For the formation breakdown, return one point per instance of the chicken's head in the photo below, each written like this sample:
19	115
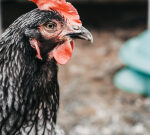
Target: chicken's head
54	35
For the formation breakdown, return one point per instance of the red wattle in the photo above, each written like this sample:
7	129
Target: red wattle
63	53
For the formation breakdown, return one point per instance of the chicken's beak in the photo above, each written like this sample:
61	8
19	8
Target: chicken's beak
81	33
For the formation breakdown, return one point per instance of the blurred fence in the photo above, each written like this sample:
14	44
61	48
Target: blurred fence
103	14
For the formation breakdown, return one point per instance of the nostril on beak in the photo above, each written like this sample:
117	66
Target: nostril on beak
76	27
81	33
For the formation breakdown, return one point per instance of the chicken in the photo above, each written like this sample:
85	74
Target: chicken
30	49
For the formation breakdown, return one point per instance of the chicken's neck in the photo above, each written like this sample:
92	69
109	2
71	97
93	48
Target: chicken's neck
45	97
31	91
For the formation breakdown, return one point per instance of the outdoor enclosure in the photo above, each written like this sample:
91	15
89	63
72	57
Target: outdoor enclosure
90	104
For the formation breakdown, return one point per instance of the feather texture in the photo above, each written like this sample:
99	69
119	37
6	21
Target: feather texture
29	93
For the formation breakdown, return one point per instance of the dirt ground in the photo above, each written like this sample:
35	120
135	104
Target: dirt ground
90	104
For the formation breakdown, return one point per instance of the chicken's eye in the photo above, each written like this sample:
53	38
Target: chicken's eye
51	26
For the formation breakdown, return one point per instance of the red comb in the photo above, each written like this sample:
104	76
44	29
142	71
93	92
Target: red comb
63	7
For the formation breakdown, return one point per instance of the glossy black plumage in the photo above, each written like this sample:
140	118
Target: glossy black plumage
29	93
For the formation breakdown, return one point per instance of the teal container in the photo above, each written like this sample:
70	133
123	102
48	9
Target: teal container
135	54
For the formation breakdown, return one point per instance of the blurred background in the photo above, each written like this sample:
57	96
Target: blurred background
90	104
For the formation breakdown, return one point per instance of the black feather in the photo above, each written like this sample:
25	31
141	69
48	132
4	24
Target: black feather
29	92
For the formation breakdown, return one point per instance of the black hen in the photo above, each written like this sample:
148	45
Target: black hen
29	92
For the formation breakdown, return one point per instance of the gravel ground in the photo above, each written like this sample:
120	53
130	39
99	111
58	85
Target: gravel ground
90	104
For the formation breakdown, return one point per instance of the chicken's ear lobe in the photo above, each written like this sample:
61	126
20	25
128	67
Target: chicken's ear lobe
35	44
